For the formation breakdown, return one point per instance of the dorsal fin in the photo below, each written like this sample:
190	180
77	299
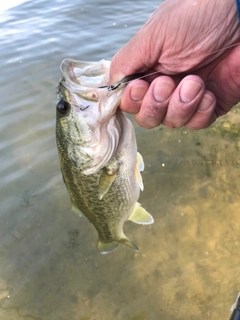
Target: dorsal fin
139	167
140	162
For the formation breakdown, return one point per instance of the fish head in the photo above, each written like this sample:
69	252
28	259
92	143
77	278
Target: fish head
86	114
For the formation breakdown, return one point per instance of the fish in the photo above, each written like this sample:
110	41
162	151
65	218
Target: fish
97	149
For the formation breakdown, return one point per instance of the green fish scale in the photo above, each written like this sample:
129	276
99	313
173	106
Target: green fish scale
107	214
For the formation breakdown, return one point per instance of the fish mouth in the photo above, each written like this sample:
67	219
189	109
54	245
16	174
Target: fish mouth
85	74
86	80
79	85
67	71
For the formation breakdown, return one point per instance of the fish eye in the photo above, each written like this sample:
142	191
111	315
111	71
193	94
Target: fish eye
63	107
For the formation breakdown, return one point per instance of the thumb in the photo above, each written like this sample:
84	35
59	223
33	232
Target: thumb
134	57
126	61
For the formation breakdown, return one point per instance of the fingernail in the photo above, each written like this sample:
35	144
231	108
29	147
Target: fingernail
206	103
189	90
162	92
137	92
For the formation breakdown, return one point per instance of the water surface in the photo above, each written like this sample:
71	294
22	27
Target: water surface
49	267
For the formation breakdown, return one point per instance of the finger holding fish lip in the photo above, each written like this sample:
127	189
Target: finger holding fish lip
171	102
190	105
205	114
133	95
155	102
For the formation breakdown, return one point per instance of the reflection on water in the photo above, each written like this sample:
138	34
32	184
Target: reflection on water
49	266
9	4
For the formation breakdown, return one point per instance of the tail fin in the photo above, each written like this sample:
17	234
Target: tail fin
107	247
129	244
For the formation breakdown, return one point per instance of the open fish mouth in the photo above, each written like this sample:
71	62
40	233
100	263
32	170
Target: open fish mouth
85	74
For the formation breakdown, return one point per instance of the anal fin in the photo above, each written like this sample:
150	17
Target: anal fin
140	215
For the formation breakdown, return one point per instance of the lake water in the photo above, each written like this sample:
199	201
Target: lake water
188	263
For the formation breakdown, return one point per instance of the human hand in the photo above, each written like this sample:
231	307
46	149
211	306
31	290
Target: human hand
195	47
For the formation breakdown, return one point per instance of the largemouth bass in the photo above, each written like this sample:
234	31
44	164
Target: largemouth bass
98	152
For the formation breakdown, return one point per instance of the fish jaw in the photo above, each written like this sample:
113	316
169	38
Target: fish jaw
85	74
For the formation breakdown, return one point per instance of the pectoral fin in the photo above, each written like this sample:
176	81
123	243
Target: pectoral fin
105	183
140	215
